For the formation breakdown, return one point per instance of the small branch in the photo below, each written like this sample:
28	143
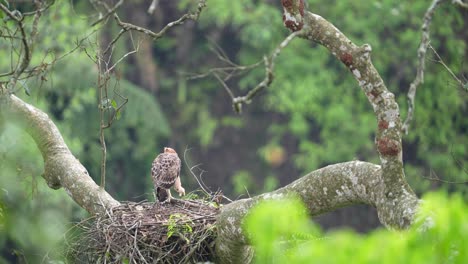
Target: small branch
121	58
460	3
155	36
10	14
419	79
153	6
107	106
25	56
228	71
238	101
224	85
266	82
436	178
109	12
205	190
103	105
454	76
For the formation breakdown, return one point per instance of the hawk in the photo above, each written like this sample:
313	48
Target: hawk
165	172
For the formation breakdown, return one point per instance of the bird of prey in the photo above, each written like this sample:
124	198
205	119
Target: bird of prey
165	172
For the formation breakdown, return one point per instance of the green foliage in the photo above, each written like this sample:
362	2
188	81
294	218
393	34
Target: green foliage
438	236
174	228
270	183
242	181
271	228
33	218
206	127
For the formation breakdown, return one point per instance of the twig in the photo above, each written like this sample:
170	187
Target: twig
459	163
460	3
454	76
27	45
206	190
200	182
425	40
155	36
269	67
153	6
436	178
109	12
121	58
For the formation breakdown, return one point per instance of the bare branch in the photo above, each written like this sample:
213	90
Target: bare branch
228	71
425	40
153	6
235	69
15	15
27	45
122	58
110	11
265	83
224	85
460	83
155	36
435	177
460	3
205	190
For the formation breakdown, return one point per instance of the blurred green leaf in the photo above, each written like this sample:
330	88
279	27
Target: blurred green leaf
438	236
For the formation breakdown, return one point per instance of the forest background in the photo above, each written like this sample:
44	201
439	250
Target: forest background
295	126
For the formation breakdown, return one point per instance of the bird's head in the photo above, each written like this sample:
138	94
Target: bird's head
169	150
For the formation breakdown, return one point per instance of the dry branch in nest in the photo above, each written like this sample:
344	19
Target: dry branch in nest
182	231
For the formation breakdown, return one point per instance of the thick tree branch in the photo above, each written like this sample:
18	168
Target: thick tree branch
61	168
358	61
383	187
323	190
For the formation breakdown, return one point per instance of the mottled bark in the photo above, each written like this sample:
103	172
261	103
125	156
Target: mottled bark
61	168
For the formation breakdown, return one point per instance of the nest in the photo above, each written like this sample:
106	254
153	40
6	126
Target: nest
182	231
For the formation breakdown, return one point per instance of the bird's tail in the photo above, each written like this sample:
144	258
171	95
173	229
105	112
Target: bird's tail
161	194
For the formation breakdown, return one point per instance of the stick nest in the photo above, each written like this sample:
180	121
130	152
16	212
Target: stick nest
182	231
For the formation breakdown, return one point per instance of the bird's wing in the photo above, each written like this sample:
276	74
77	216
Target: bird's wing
165	170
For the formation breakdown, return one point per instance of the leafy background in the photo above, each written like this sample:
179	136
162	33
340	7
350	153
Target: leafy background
313	115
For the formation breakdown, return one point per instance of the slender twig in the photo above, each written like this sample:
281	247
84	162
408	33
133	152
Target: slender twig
266	82
454	76
102	85
121	58
25	55
153	6
459	163
205	189
155	36
460	3
419	79
435	177
11	14
231	71
109	12
225	86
